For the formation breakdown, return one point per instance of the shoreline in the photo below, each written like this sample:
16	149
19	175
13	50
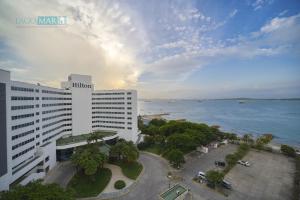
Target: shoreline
274	144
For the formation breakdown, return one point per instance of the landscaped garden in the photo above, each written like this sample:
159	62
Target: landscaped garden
172	139
125	155
84	137
92	177
130	169
87	186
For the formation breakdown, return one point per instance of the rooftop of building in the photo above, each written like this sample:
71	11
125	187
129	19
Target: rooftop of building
82	138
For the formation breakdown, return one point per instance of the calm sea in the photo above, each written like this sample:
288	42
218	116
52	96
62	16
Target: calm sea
279	117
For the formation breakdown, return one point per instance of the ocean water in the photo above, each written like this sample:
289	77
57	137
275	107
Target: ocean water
279	117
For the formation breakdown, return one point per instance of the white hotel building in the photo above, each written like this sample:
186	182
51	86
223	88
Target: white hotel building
34	117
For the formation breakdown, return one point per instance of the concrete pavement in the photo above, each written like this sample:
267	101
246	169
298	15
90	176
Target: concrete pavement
61	174
116	175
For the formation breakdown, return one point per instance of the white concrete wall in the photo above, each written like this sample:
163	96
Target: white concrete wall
67	111
5	179
81	87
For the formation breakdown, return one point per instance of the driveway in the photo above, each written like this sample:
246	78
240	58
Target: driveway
61	174
152	182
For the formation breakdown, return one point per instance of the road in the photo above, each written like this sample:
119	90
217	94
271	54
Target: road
152	182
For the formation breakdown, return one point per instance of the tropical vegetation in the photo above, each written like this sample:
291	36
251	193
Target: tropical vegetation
85	186
214	177
288	150
37	191
166	137
125	155
232	159
89	159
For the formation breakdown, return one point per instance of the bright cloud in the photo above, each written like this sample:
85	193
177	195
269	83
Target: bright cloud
130	45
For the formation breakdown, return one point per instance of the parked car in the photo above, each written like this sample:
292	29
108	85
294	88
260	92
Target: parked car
220	163
245	163
201	175
226	184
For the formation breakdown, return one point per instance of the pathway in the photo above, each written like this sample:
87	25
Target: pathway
61	174
116	175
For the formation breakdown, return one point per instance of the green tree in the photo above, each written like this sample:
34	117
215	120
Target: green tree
231	159
37	191
89	159
94	137
214	177
176	157
125	151
157	122
288	150
182	142
151	130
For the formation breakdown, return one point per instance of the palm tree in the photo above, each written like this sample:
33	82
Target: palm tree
94	137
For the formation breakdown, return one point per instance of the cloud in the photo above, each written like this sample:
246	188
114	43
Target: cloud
89	44
280	23
120	44
233	13
274	38
258	4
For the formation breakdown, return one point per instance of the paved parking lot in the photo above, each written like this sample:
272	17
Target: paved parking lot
203	162
196	161
269	177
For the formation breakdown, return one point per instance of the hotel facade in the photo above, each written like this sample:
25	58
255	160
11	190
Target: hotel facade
41	125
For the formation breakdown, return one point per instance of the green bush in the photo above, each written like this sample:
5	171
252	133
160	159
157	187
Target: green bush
232	159
119	184
36	191
214	177
288	150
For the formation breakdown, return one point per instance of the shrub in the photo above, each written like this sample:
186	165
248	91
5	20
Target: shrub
214	177
175	157
142	145
288	150
119	184
232	159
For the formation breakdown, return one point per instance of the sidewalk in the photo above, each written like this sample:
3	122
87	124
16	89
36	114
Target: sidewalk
61	174
116	175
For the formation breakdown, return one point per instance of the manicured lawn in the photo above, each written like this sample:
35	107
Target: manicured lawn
130	169
85	186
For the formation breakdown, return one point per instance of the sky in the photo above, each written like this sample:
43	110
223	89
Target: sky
165	49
